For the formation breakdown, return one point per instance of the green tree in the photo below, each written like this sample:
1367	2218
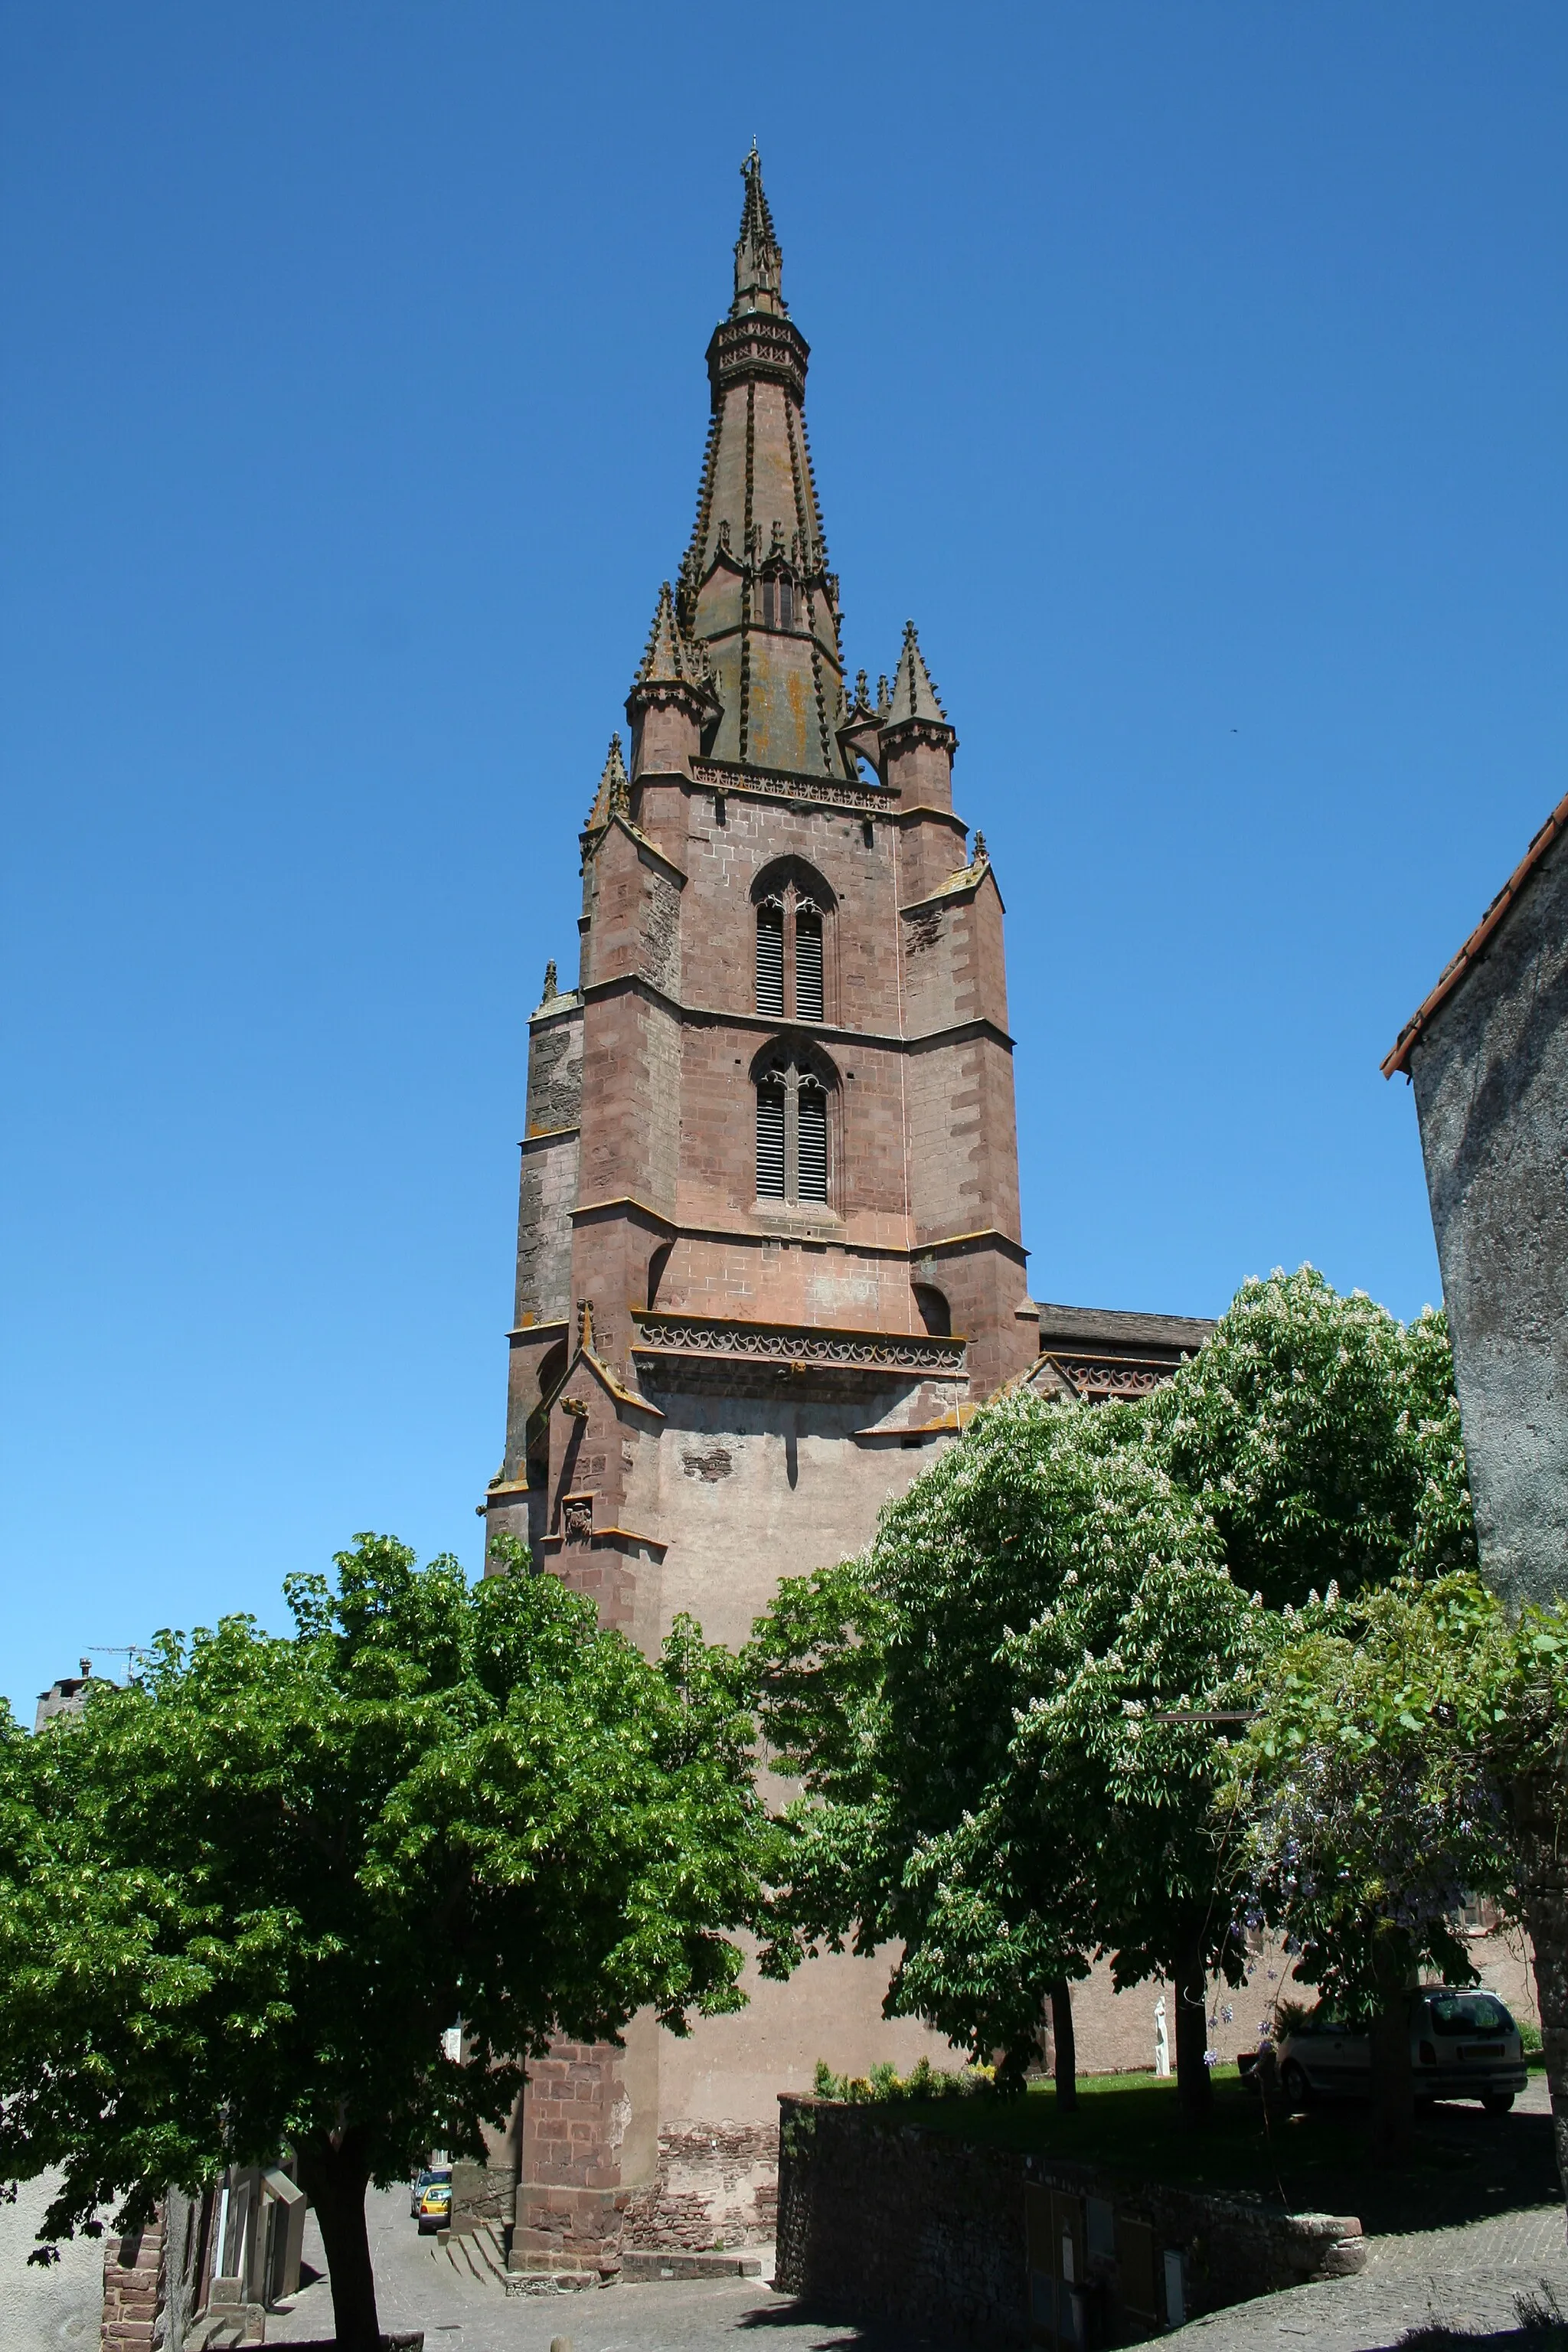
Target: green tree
981	1707
1410	1750
240	1899
970	1706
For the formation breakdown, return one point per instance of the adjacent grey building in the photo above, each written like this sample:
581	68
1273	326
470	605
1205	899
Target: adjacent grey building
1487	1055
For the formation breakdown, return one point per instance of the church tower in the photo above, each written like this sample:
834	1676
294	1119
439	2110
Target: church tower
769	1249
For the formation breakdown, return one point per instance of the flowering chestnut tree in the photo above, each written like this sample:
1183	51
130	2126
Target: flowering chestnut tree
1009	1715
1000	1717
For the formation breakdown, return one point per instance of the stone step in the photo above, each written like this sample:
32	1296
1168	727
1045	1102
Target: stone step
554	2282
639	2264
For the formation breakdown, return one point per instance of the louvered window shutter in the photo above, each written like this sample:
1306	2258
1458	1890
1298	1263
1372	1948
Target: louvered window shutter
813	1105
807	964
769	960
770	1143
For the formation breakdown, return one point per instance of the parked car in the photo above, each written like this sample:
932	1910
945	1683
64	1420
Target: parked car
432	2200
1463	2045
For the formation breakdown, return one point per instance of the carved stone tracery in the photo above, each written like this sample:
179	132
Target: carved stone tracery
761	1342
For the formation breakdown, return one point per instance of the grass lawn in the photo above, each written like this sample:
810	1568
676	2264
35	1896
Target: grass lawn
1464	2163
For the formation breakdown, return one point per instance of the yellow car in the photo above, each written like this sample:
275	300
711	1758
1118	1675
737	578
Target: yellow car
435	2203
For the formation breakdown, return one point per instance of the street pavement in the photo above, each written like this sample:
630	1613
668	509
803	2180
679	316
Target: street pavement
55	2310
1466	2278
417	2286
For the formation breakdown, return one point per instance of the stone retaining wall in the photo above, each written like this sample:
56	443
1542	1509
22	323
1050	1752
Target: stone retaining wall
881	2218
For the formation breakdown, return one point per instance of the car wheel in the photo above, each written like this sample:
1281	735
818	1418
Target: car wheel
1294	2084
1497	2103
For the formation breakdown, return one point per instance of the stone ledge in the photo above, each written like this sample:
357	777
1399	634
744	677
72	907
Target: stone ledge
646	2263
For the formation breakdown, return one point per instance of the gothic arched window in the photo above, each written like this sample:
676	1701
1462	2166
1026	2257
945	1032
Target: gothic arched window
793	904
793	1153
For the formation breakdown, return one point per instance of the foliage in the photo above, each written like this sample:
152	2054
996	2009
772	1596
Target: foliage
972	1708
240	1899
1369	1809
1323	1438
885	2086
1374	1786
981	1706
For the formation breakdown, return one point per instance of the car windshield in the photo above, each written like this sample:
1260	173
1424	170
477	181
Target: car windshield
1467	2012
434	2179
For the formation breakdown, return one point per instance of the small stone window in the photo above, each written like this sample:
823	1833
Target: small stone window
778	601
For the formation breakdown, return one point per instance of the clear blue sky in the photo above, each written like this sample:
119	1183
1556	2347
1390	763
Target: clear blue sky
1195	375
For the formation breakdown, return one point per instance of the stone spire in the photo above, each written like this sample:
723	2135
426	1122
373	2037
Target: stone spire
670	658
755	590
758	261
672	704
913	695
614	793
914	739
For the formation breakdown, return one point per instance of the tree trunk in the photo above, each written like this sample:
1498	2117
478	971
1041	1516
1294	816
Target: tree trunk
1064	2045
1393	2084
1195	2085
335	2180
1537	1811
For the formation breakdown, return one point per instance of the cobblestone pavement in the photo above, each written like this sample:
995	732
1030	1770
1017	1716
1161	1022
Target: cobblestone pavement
1466	2278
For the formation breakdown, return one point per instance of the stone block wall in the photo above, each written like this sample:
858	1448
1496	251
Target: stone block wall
717	2186
133	2288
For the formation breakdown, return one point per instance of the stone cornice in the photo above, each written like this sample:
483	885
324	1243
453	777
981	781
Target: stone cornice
989	1234
777	784
624	1200
935	731
713	1016
788	1344
557	1008
546	1135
